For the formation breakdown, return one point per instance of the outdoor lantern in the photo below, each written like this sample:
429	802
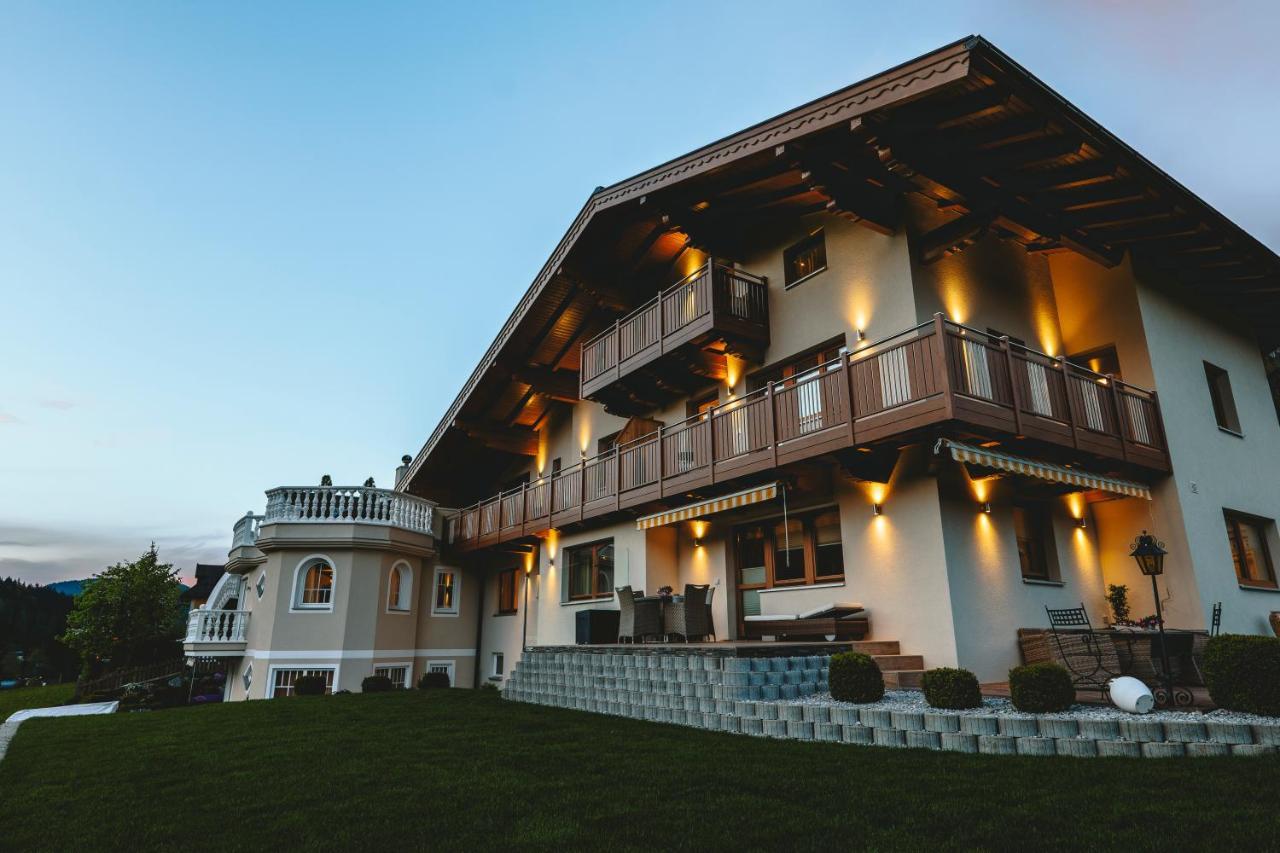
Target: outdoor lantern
1149	554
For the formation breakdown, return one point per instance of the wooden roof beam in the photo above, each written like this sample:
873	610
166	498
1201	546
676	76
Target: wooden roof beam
954	236
521	441
559	385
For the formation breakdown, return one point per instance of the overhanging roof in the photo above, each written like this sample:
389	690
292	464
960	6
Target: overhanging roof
964	126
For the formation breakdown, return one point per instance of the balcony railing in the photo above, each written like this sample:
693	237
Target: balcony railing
217	626
347	505
714	298
245	532
936	372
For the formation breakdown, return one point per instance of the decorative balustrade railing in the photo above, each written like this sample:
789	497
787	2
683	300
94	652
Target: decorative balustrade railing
936	371
347	505
245	531
217	626
713	287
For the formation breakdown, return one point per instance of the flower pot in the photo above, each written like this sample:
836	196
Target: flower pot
1130	694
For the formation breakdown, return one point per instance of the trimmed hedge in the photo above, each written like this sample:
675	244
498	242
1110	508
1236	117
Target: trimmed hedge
1243	673
855	677
433	680
950	688
309	685
376	684
1041	687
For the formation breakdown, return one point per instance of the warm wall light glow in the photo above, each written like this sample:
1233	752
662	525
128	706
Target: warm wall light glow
690	261
584	428
955	295
699	529
552	543
542	451
981	487
732	371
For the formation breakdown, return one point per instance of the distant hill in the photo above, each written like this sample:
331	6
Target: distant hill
71	588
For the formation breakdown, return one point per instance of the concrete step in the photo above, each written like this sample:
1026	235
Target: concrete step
903	679
876	647
888	663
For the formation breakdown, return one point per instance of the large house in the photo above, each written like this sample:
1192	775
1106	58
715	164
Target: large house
937	344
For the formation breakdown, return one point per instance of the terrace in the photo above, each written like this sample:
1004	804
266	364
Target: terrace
936	375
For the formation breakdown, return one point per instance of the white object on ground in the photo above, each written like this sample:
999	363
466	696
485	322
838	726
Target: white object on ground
10	726
1130	694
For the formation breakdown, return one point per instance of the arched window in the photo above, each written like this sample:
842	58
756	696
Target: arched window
314	589
400	587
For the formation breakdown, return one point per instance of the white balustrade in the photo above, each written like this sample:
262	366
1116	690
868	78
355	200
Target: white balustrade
217	626
348	505
245	532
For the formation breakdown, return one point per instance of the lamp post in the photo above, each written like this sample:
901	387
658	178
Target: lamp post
1149	554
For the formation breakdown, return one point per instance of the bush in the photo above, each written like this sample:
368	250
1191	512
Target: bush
955	689
309	685
376	684
1041	687
433	680
1243	673
855	678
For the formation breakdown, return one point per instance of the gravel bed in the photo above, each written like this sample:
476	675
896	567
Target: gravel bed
913	700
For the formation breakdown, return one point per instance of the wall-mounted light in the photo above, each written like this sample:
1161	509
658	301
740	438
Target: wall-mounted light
877	509
697	543
1081	523
862	335
985	507
551	562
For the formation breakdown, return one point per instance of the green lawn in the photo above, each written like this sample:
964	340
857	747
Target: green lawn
33	697
463	770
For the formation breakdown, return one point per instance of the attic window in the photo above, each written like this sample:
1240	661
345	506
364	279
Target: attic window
806	258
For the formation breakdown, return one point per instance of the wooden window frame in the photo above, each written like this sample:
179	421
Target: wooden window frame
1233	521
815	238
1223	399
809	546
595	548
1040	519
511	607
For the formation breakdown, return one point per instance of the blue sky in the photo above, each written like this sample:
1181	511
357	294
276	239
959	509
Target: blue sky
247	244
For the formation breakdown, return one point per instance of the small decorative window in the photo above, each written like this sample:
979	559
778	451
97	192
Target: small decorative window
499	664
314	586
445	601
805	259
247	677
399	675
261	585
400	588
508	596
1224	402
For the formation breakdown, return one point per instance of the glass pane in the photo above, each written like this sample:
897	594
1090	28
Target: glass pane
579	569
751	602
1031	546
751	544
788	558
828	549
749	576
604	571
444	591
1252	564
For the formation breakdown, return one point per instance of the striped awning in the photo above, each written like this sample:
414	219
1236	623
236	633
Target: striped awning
713	505
1043	470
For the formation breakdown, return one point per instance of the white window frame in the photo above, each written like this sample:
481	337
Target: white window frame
299	575
494	657
457	592
404	606
246	678
301	668
406	668
449	665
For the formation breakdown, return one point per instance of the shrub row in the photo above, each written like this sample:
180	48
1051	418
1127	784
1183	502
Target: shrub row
1243	673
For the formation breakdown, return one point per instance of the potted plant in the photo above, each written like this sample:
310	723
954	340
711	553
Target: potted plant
1118	598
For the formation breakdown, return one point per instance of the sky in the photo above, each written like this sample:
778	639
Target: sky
245	244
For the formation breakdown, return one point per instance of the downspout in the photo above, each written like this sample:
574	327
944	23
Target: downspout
479	633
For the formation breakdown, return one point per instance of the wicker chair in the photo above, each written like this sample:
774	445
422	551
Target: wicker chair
711	623
648	619
627	614
688	618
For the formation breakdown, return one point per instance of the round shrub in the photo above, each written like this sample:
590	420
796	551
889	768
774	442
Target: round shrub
376	684
1243	673
855	677
309	685
1041	687
433	680
955	689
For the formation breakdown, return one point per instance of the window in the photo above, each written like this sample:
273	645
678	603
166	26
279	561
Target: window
804	549
399	675
589	570
498	664
508	597
1102	360
400	588
805	258
701	405
1224	403
261	585
282	680
314	585
1249	551
445	602
445	666
247	678
1033	527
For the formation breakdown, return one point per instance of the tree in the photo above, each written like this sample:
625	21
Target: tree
128	615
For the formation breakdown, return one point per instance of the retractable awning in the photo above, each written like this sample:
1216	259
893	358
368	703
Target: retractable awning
700	508
1041	470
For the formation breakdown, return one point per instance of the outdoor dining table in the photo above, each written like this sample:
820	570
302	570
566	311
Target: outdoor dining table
1138	651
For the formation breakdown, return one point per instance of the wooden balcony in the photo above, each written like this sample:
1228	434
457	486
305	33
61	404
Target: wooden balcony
717	307
939	375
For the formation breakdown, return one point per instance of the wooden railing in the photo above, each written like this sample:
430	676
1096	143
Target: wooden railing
937	371
713	288
349	505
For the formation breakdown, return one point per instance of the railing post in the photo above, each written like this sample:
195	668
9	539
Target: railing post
1068	392
942	365
772	423
1115	407
1015	391
711	433
617	478
846	384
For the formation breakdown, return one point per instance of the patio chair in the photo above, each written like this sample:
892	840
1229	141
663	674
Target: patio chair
648	619
688	618
1081	651
627	614
711	623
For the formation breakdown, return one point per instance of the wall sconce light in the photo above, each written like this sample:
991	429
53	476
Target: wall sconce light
1081	523
551	562
862	335
697	542
985	507
877	509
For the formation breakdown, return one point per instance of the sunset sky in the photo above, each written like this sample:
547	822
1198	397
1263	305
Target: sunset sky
247	244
